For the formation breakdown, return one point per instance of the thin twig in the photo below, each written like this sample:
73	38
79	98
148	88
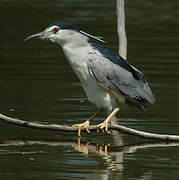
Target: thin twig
113	126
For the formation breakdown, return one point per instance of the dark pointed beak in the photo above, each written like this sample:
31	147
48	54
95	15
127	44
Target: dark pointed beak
40	35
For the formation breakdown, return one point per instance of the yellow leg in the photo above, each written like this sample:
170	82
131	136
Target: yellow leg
104	125
95	114
85	125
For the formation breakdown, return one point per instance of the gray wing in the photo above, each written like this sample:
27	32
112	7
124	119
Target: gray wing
113	72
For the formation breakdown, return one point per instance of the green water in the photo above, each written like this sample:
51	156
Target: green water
38	84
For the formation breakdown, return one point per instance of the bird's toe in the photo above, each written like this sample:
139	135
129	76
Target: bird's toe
103	127
82	126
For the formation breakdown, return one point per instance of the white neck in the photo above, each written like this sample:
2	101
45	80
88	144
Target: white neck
74	40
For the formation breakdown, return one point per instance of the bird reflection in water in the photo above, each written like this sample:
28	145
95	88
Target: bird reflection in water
112	155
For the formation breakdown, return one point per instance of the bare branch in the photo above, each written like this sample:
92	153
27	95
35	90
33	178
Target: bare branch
113	126
121	28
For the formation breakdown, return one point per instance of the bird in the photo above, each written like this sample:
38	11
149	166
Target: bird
108	80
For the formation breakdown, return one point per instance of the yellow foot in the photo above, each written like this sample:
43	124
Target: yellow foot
81	126
104	127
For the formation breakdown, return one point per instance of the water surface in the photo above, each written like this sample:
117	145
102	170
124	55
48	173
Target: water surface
38	84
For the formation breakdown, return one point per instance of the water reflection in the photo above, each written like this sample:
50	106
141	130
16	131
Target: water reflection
104	154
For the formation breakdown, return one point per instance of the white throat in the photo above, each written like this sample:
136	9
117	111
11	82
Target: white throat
73	40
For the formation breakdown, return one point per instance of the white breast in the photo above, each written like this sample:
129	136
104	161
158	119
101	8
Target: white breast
77	57
97	95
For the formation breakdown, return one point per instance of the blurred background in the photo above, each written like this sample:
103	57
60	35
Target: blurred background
37	84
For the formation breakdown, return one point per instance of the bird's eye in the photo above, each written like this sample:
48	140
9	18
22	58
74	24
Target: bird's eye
56	29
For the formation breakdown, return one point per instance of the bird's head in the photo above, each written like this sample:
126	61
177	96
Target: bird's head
62	33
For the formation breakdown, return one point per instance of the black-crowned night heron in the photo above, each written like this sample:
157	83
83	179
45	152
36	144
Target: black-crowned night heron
108	80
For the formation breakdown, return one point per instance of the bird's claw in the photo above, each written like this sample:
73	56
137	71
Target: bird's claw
103	127
82	126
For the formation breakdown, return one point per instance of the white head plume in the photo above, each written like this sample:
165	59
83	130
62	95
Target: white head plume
94	37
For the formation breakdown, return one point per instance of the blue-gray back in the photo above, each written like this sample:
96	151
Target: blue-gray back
113	72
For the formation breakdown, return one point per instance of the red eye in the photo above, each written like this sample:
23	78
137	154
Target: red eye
56	29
